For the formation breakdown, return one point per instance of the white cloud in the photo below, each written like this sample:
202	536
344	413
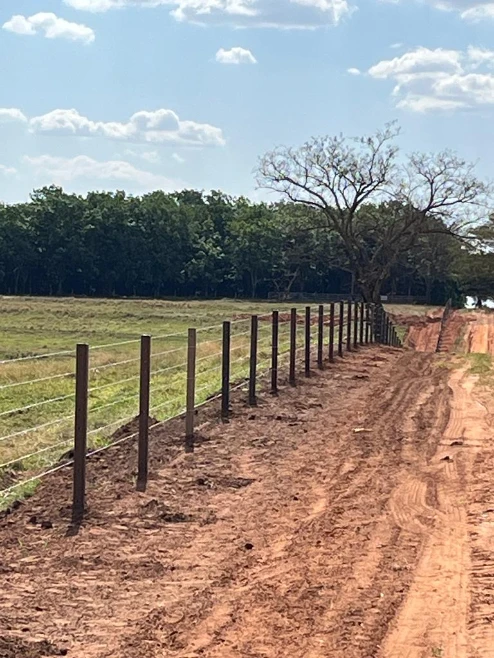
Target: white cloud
158	127
7	171
51	26
178	158
235	55
8	114
469	10
479	12
439	79
353	71
60	171
302	14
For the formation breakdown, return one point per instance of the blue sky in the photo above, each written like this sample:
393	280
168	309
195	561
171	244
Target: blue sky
147	94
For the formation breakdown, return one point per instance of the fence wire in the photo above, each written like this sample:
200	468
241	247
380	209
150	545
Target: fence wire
35	447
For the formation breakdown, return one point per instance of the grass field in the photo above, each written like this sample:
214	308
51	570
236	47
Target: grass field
37	392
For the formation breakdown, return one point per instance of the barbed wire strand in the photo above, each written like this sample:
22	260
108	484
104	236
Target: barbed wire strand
33	454
36	381
36	404
37	427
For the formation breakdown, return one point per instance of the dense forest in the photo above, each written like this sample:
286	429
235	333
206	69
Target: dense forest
190	243
352	217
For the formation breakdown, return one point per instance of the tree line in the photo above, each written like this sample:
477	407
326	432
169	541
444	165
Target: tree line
352	218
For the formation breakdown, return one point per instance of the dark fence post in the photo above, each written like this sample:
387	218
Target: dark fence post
191	390
362	322
293	345
331	333
349	328
307	341
367	323
274	351
143	443
320	336
372	323
225	371
355	325
80	432
382	326
254	329
341	321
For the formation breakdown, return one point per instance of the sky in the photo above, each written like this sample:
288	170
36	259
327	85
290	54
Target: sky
168	94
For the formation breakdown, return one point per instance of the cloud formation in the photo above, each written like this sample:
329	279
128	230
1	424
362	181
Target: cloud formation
157	127
50	26
60	171
439	79
7	171
235	55
301	14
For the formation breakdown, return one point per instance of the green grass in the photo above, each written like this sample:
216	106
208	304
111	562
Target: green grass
480	364
36	326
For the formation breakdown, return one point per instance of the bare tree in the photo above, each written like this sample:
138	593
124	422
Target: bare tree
377	204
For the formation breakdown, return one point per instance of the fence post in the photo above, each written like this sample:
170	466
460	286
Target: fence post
320	336
362	307
225	371
254	330
382	326
349	328
373	323
341	320
293	345
355	325
331	333
191	390
307	341
274	352
80	432
143	444
367	321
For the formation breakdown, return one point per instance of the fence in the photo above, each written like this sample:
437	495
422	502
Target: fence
448	309
216	360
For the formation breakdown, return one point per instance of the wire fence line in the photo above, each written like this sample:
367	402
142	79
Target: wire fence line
162	385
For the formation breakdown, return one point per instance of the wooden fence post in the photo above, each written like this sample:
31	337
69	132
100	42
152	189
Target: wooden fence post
293	345
372	323
143	443
307	340
349	328
225	371
191	390
254	330
80	432
382	327
355	325
341	321
362	322
274	352
331	332
367	323
320	337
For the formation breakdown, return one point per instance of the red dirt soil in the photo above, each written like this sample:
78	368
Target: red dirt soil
350	517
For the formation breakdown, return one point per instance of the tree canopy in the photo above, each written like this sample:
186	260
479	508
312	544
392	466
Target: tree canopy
377	204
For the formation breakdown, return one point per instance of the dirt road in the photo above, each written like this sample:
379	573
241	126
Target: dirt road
352	517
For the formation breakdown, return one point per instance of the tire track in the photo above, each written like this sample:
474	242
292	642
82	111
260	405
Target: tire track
435	615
